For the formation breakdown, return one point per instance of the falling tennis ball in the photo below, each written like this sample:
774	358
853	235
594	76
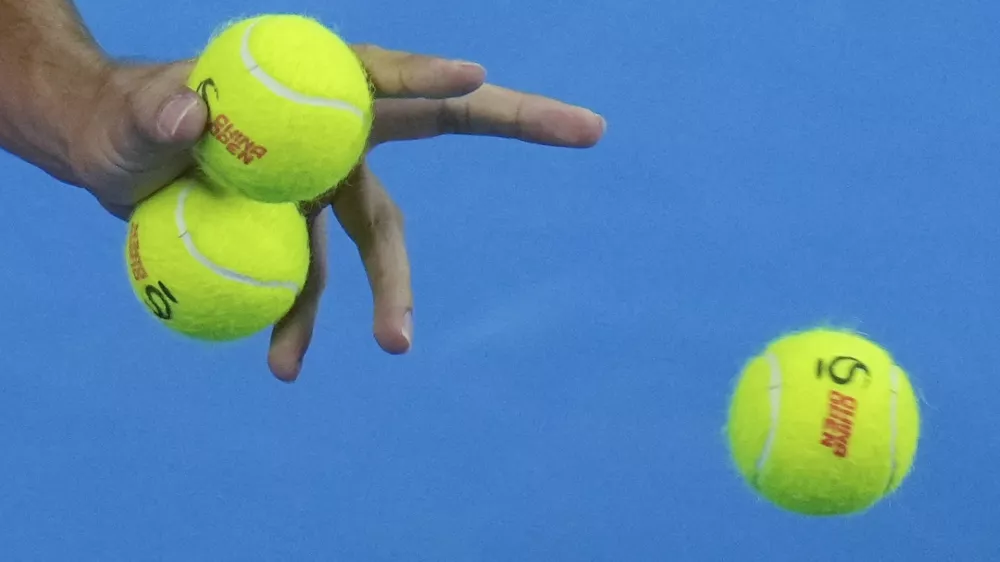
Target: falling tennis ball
212	264
290	108
823	422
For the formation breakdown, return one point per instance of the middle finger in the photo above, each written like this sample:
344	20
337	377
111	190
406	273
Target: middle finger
489	111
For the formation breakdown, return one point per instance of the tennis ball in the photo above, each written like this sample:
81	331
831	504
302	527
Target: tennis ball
214	265
823	422
290	108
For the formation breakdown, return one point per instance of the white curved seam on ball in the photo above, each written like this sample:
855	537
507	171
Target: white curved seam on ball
774	393
894	375
280	89
192	249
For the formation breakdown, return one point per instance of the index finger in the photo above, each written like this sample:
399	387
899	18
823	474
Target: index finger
398	74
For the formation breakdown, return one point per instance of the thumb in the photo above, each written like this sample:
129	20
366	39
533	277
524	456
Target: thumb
168	113
154	123
180	119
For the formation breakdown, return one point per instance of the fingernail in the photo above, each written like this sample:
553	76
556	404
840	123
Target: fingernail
174	112
408	327
604	123
470	64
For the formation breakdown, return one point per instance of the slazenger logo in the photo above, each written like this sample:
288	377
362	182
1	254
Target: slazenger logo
225	131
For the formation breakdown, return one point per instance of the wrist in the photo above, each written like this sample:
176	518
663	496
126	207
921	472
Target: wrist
42	113
49	68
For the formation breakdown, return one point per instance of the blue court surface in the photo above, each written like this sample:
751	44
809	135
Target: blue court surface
580	314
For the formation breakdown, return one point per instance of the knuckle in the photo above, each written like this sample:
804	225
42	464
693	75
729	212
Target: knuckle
316	285
386	216
451	117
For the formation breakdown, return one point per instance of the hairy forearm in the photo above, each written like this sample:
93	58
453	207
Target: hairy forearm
49	66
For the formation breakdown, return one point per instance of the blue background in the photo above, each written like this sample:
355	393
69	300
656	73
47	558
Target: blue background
580	314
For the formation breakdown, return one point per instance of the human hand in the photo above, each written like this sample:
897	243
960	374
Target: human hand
417	97
145	121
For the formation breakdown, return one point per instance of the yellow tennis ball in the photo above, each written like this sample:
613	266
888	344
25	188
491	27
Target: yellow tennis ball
823	422
212	264
290	108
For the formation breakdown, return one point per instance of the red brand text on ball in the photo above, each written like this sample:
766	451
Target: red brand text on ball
236	141
134	256
839	423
